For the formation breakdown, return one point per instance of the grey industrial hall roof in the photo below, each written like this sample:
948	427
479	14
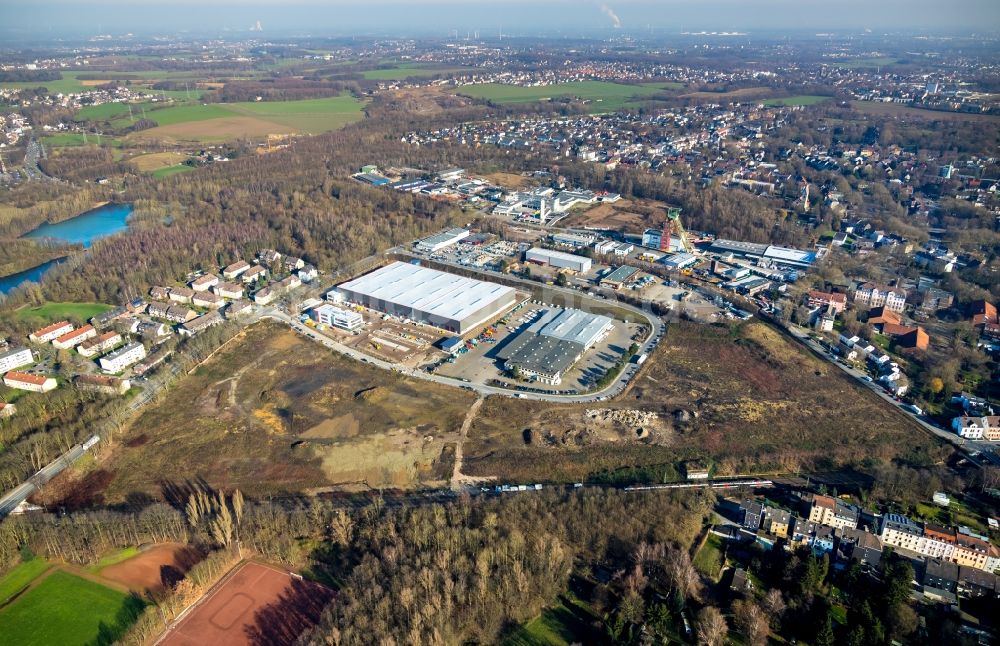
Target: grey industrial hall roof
541	354
430	291
571	325
621	274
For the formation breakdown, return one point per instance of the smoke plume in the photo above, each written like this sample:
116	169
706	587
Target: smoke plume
615	20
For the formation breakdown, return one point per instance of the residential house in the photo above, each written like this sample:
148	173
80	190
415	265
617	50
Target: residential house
861	546
752	514
27	381
153	331
265	296
939	542
971	549
254	274
15	358
833	512
939	575
123	357
74	338
181	294
103	343
238	308
159	293
976	583
206	321
204	283
172	313
229	290
106	318
828	300
50	332
102	384
899	531
268	256
208	299
906	336
234	270
777	521
986	427
872	295
740	583
982	312
308	274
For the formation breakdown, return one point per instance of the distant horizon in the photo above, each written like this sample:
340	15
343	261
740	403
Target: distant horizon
53	20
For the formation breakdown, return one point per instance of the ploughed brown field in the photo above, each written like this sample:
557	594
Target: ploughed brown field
154	568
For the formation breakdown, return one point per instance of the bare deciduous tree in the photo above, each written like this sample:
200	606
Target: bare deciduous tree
711	627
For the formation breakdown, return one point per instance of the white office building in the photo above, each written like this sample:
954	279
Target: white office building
337	317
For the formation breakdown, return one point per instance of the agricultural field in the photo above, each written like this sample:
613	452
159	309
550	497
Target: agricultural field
66	85
800	100
220	122
275	412
604	96
407	70
18	579
156	161
725	394
899	110
50	312
62	608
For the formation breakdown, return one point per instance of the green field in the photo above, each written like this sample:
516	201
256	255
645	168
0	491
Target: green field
18	578
708	560
123	554
604	96
171	170
65	609
803	99
56	311
67	84
567	622
76	139
406	70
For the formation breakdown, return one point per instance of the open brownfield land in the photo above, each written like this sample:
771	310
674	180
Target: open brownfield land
744	399
275	412
623	215
154	568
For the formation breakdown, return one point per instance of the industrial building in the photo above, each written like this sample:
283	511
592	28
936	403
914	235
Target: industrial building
15	358
344	319
557	259
679	260
619	277
123	357
779	255
425	295
441	240
574	239
553	343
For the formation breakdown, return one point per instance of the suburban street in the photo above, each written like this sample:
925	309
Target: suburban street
49	471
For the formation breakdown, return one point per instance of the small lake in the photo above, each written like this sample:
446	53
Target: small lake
34	275
81	229
86	227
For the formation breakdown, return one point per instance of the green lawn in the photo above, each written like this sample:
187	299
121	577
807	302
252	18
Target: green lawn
567	622
65	609
16	580
604	96
113	558
708	560
187	113
56	311
167	171
804	99
309	115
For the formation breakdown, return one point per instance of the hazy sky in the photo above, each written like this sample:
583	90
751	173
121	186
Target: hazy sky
339	17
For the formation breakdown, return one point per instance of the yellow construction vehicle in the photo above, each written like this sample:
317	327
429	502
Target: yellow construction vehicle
377	346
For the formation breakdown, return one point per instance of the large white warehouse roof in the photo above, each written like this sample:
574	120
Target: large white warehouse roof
430	291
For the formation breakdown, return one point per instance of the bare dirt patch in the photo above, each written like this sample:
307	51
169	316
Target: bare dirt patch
508	180
154	568
631	216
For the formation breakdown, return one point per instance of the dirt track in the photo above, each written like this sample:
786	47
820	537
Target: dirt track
153	568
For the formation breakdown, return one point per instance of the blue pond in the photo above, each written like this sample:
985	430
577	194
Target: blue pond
82	229
87	227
